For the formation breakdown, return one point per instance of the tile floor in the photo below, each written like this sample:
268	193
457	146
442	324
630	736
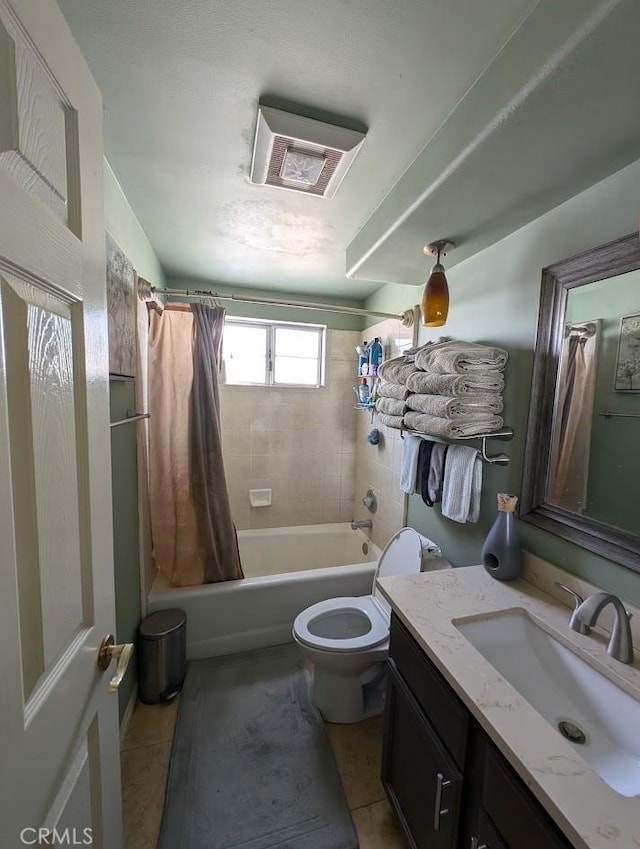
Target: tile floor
145	761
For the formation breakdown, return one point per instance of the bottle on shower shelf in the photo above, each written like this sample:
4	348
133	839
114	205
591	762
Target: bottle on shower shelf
363	392
363	356
375	355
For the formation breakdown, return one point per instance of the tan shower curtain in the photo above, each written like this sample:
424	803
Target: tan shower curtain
180	548
575	408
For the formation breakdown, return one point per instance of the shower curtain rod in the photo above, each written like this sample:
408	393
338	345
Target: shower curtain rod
146	291
586	329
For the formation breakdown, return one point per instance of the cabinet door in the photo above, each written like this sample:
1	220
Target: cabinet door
519	819
421	780
485	836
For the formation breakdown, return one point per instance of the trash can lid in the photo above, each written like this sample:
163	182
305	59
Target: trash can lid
161	623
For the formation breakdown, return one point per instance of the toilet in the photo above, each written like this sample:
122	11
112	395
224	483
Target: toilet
347	639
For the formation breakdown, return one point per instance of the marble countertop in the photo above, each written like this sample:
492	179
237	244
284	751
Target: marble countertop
587	810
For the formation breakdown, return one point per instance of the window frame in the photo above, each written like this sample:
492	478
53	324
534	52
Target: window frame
271	328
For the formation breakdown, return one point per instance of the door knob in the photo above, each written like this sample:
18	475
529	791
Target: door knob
109	651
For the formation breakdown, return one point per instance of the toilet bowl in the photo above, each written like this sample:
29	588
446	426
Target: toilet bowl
347	638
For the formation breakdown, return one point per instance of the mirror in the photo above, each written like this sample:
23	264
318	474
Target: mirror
581	476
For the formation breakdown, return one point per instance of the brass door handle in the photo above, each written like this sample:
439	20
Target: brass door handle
109	651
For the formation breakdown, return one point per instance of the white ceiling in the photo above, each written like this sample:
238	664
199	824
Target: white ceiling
480	115
181	82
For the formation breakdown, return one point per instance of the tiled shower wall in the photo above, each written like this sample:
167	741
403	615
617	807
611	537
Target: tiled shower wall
300	443
378	466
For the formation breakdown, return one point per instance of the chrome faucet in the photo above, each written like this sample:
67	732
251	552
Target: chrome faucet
620	643
574	624
361	523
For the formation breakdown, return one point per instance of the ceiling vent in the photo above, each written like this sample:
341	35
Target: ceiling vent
301	154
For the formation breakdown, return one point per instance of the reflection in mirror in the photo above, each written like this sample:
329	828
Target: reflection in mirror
594	465
571	438
582	460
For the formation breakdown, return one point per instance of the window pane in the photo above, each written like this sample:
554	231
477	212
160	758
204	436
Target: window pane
244	351
296	370
297	343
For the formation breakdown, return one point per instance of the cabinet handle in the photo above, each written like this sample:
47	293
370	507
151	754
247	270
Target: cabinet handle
438	811
475	844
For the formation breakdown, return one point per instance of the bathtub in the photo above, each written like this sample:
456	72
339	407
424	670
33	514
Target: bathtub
286	570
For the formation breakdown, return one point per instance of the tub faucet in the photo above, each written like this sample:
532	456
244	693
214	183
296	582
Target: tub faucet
620	643
361	523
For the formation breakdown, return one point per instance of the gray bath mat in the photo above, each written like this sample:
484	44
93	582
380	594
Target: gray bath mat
251	765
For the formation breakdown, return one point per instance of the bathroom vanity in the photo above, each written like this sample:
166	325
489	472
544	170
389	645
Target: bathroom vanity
468	762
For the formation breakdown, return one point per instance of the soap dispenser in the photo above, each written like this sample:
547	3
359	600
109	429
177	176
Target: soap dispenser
501	552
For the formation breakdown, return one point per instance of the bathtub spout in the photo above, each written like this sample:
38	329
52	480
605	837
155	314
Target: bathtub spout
361	523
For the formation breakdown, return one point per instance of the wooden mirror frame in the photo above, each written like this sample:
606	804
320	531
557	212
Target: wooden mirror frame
600	263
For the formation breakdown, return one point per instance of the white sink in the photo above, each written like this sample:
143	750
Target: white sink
564	688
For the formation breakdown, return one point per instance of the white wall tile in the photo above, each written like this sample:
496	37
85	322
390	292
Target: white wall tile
307	445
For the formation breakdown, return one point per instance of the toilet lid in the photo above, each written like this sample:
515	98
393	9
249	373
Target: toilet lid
402	555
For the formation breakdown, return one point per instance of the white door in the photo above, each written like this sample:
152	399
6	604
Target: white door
58	723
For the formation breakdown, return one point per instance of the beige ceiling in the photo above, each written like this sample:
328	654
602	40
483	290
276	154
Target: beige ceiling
181	82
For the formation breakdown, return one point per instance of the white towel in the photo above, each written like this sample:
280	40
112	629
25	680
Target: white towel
461	358
391	406
396	370
409	463
462	484
390	421
450	428
392	390
481	408
459	385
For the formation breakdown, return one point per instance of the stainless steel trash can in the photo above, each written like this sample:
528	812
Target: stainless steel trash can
161	656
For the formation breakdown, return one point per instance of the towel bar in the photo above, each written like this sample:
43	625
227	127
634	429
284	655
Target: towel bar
609	415
504	434
131	417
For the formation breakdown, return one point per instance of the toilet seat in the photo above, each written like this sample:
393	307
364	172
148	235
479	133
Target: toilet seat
325	625
364	607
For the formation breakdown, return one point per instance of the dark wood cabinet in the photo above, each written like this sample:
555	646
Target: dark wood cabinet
420	777
484	835
449	785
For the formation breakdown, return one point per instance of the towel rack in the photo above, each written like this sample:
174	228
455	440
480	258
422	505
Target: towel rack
505	434
609	415
131	417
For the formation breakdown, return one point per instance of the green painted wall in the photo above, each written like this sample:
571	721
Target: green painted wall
124	483
125	228
494	299
336	321
122	224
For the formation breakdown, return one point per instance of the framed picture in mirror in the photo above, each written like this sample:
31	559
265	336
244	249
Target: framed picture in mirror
628	359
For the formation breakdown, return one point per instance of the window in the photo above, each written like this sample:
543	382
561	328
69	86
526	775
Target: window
267	353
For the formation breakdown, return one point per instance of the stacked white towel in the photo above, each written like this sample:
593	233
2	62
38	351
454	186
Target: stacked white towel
454	392
396	370
461	358
457	389
454	385
392	391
